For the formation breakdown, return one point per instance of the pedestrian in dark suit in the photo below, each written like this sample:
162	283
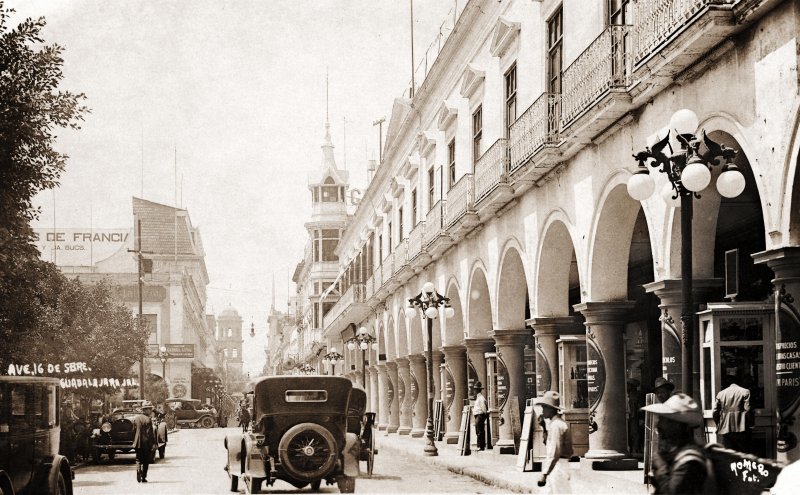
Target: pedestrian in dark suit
480	410
144	441
731	413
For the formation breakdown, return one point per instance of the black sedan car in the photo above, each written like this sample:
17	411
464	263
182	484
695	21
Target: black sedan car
116	433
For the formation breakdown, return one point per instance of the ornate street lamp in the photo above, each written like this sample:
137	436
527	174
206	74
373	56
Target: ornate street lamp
363	340
332	358
307	369
429	301
163	355
688	171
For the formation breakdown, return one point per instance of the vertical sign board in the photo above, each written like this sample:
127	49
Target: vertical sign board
595	373
787	373
526	438
502	384
650	435
463	432
438	420
516	426
529	358
670	350
414	389
449	389
543	376
472	377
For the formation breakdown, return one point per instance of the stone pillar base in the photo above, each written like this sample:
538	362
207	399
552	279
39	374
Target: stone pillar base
604	454
504	448
417	433
391	429
450	438
382	427
404	430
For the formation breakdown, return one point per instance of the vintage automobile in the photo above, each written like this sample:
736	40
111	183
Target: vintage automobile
187	412
115	433
362	424
302	433
29	437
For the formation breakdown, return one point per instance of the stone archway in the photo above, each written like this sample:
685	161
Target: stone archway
479	305
454	327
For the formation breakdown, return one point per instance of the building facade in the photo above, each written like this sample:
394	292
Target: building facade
504	183
174	285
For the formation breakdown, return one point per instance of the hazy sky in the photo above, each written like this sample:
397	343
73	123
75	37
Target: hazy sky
235	90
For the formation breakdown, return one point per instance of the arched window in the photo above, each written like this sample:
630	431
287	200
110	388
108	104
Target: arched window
331	193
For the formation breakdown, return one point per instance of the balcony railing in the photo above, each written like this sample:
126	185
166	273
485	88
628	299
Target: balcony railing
356	293
460	199
415	240
604	65
658	20
387	269
433	222
491	169
534	129
400	255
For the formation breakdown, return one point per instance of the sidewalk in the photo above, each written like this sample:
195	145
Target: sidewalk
501	471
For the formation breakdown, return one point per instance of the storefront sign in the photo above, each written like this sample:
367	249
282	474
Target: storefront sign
501	383
414	388
543	376
787	365
670	355
449	388
595	373
80	247
173	350
131	293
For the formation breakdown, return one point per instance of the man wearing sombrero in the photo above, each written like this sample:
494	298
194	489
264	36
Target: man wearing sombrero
480	410
680	465
558	442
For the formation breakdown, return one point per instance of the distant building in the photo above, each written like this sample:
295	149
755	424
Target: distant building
174	295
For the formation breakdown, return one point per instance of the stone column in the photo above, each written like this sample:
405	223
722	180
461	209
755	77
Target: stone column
455	357
438	358
605	323
384	397
785	262
420	412
374	390
476	350
546	330
394	403
669	293
404	373
510	346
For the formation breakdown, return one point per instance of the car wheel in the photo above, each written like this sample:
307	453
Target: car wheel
234	483
161	451
61	484
347	484
207	422
315	485
307	451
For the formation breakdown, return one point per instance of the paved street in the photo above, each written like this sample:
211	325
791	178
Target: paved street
195	459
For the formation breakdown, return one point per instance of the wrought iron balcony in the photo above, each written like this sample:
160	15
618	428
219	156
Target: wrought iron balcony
415	240
460	199
354	298
491	169
387	269
401	255
433	222
536	128
603	66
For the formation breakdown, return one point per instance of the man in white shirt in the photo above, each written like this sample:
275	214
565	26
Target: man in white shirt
558	443
480	410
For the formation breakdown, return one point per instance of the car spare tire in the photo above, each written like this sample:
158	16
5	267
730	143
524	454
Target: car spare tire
307	451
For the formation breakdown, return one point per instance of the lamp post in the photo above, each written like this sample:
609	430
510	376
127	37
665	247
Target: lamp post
332	358
429	301
163	355
363	340
688	171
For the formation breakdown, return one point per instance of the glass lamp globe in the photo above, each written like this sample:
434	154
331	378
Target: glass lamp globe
684	121
411	311
730	182
668	193
696	176
363	346
362	331
333	350
449	312
641	185
374	346
163	349
351	346
428	288
431	312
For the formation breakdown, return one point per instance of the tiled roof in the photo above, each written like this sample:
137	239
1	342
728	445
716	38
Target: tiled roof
160	226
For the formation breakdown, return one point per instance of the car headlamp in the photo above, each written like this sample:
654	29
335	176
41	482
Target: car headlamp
106	427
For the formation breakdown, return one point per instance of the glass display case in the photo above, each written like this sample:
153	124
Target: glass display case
738	344
574	389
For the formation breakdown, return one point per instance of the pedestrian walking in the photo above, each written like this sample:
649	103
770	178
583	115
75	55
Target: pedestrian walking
732	414
244	416
480	410
144	440
558	444
680	466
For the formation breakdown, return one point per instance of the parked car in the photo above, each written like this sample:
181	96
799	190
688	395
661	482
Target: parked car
300	434
187	412
29	437
115	434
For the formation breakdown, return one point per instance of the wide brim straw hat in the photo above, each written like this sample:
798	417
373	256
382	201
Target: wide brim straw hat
680	407
550	398
477	386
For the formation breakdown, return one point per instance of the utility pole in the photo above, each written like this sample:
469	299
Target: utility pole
379	123
141	285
